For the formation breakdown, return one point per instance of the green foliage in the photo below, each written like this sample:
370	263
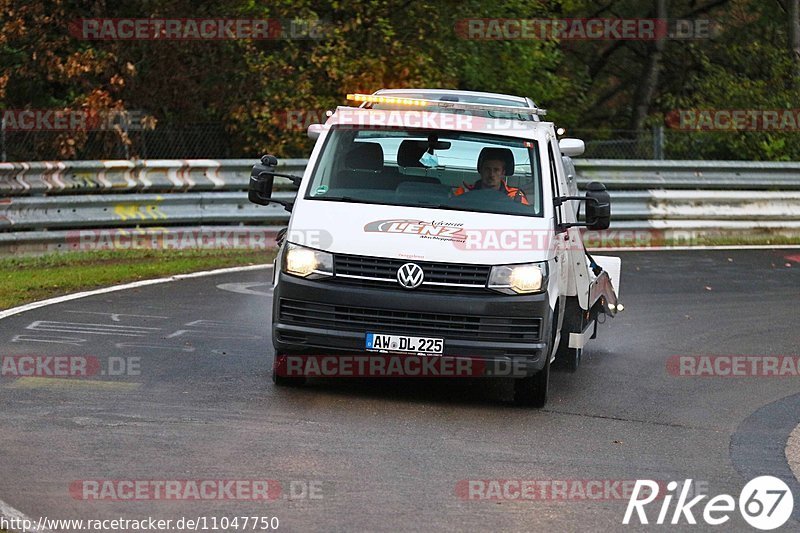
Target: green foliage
264	92
28	279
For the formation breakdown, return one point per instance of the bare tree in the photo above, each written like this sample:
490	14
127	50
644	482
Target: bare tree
645	91
794	38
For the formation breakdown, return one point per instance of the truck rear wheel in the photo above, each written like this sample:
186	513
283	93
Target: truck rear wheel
569	359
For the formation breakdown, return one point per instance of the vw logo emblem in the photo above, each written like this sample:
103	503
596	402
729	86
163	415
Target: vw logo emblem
410	275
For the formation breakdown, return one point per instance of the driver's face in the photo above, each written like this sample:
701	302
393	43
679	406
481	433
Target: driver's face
492	172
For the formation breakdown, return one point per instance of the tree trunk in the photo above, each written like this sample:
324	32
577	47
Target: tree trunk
647	88
794	39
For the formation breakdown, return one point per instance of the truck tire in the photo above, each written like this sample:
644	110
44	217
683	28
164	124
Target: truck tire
279	377
531	391
569	359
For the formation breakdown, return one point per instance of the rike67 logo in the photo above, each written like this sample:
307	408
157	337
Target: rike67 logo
765	503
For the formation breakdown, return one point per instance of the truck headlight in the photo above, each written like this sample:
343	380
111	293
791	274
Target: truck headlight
518	279
306	262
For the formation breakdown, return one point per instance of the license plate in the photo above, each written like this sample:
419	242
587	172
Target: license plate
378	342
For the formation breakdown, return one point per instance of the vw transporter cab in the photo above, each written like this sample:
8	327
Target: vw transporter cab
446	225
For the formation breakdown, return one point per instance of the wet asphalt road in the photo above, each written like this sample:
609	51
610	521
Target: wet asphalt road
196	402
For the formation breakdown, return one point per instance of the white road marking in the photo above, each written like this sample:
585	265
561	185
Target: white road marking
188	349
90	329
216	329
211	323
115	316
699	248
211	333
5	509
134	285
244	288
54	340
218	324
9	513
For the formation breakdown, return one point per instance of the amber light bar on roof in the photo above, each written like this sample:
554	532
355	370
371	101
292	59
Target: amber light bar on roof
466	106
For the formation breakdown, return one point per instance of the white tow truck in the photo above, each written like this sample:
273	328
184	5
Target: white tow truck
453	231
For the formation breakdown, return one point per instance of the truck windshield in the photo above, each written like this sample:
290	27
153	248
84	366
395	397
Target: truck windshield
429	168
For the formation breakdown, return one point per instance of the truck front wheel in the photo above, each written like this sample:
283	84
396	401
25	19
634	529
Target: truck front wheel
531	391
279	371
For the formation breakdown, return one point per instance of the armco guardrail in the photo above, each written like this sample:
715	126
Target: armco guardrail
131	210
155	175
627	174
44	204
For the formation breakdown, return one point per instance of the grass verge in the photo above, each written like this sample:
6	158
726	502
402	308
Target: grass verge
28	279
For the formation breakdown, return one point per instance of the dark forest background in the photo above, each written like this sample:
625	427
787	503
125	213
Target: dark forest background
229	98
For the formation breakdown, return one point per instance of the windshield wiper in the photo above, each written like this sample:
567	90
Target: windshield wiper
337	198
433	206
347	199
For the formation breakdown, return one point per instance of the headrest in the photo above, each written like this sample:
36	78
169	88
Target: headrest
498	154
409	152
365	156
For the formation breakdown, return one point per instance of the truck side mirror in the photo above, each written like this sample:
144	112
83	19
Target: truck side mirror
571	147
315	130
598	206
262	177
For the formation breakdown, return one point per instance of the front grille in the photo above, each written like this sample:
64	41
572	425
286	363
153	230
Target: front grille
378	267
393	284
363	319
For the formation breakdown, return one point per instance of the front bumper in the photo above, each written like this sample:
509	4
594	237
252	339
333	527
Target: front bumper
322	317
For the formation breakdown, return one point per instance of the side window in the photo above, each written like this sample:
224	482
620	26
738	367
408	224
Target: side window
551	156
569	170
